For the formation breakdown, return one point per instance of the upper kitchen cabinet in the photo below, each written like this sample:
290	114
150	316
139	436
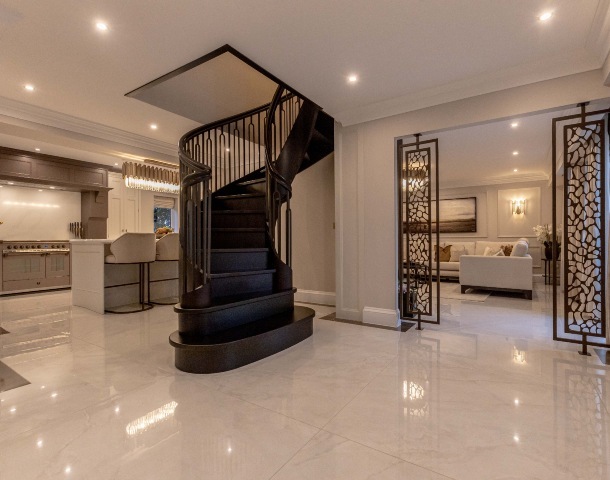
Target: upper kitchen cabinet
123	207
47	169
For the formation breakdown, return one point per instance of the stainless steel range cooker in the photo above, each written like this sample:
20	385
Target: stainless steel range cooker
34	265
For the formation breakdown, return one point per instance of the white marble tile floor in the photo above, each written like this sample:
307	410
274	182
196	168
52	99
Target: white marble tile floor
485	395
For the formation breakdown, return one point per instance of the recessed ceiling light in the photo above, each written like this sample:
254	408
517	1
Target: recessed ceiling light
29	87
153	126
545	16
37	149
515	152
516	170
52	188
116	164
352	78
101	26
40	189
228	149
11	183
514	124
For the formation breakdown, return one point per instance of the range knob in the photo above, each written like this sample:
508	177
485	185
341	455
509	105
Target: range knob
9	247
37	246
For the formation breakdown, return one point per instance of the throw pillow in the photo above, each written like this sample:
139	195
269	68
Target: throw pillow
487	252
520	249
499	253
456	253
444	253
507	249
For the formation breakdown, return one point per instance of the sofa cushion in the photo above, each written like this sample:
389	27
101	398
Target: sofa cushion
491	251
520	249
450	266
482	245
467	246
457	252
444	253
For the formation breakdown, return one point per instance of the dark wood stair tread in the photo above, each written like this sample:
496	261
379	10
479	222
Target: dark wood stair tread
241	274
231	301
242	332
239	250
238	212
238	229
238	196
239	346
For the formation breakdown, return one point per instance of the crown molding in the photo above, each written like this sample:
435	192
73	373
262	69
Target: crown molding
598	40
568	63
503	180
50	118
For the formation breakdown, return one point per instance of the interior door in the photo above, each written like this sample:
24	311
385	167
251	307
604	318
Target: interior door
418	189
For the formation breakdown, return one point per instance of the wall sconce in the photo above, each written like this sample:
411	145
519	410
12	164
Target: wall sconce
518	207
146	177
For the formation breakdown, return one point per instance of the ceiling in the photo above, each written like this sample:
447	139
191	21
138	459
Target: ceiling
408	54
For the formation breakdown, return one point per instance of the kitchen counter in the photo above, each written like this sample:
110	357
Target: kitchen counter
98	286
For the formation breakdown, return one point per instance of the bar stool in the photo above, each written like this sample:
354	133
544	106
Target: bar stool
168	250
132	249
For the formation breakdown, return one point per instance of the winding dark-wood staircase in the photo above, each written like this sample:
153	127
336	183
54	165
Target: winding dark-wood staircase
237	298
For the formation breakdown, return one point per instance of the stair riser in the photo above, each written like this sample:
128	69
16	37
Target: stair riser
216	321
243	220
248	203
226	286
238	239
238	261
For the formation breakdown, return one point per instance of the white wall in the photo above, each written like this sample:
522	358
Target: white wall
365	191
44	215
313	240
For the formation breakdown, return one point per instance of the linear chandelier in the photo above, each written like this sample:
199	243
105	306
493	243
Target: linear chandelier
147	177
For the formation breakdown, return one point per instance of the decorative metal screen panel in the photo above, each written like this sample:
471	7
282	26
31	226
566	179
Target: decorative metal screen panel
580	204
584	228
418	186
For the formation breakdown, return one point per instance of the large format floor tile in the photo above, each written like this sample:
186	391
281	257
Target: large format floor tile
485	395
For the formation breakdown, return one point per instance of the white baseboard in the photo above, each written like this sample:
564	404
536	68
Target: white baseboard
381	316
349	314
314	296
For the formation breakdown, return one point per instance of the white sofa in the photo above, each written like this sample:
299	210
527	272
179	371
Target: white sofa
513	273
452	269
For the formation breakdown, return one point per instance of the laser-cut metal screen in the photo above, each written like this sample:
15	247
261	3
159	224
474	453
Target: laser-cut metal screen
582	146
418	234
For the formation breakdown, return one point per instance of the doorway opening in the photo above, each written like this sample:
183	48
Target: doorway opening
494	259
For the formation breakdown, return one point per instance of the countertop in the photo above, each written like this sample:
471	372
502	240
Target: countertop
91	241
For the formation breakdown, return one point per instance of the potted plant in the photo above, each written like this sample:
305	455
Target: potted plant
544	234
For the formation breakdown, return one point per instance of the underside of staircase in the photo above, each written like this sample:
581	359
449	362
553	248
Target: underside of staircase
237	299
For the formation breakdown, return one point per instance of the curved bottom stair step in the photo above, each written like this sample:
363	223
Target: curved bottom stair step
242	345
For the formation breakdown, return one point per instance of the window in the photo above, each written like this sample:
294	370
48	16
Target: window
163	217
165	214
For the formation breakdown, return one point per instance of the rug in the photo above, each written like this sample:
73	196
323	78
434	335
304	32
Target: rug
454	292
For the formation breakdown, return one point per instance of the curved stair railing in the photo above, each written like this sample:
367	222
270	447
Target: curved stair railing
220	154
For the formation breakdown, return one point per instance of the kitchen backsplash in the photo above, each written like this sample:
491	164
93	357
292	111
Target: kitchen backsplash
30	214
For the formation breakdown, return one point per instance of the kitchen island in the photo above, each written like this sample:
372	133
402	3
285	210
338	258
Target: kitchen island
98	286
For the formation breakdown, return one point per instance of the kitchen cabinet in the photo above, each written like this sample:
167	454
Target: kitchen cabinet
123	207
